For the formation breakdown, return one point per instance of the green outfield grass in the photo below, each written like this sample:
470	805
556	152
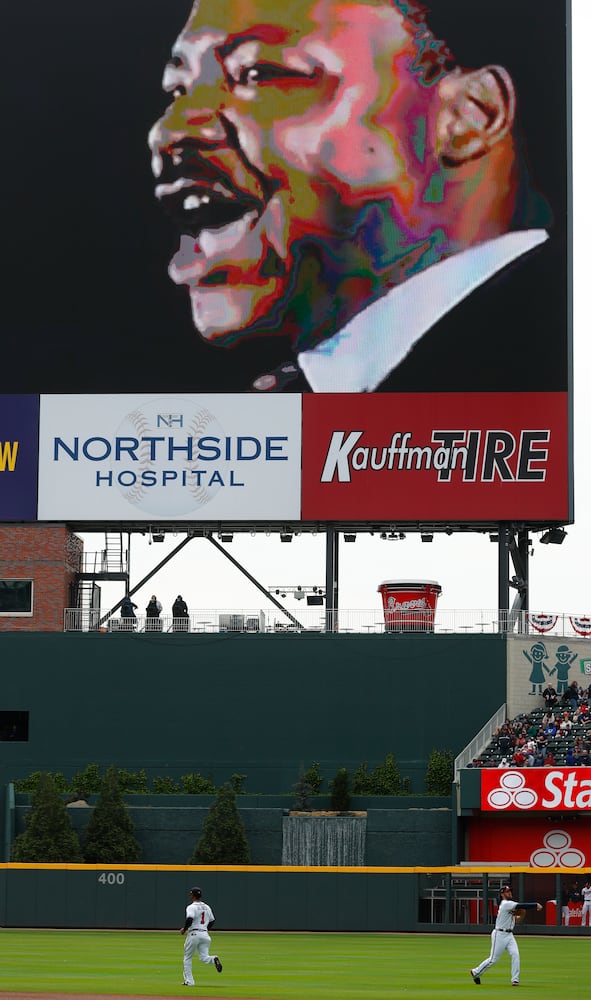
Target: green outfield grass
287	966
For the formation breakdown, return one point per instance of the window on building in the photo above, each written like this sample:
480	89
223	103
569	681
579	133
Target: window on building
14	726
16	597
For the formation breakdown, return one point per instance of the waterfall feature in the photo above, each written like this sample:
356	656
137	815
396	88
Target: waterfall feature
324	840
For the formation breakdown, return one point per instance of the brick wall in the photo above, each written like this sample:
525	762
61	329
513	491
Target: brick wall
49	555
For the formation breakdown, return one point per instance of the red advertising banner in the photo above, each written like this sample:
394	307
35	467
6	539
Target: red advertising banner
536	788
530	841
435	457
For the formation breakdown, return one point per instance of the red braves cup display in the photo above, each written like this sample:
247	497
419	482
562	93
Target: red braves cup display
409	606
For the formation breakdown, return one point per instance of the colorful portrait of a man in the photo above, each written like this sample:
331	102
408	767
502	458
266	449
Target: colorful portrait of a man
342	184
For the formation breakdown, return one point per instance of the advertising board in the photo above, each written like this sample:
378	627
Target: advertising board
561	789
357	202
177	457
539	841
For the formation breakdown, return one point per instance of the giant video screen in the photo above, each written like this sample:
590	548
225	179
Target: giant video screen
362	202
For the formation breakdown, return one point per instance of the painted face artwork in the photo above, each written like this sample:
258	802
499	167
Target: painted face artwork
297	157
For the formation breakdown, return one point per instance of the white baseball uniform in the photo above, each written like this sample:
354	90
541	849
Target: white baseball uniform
586	894
502	939
197	939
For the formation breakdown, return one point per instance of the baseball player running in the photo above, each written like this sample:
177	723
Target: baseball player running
199	918
502	936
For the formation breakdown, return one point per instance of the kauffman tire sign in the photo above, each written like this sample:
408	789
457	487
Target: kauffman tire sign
559	789
169	457
436	457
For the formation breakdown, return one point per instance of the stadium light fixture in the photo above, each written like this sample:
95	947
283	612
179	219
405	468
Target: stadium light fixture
553	536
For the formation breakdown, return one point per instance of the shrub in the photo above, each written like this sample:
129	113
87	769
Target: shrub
132	781
31	782
196	784
313	778
110	835
340	798
440	772
48	836
303	793
223	840
165	786
236	781
87	782
383	780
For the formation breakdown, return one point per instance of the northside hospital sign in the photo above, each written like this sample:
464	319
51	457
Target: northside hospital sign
436	457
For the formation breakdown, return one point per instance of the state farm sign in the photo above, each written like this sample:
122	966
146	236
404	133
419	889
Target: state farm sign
535	788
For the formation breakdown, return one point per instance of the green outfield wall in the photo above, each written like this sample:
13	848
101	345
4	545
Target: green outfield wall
261	705
264	898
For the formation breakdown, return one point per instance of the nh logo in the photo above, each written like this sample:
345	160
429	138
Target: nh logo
169	420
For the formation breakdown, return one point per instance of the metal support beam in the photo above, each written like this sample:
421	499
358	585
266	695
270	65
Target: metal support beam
331	620
513	548
503	576
519	551
248	576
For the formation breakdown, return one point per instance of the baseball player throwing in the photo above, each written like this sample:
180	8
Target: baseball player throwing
502	936
199	918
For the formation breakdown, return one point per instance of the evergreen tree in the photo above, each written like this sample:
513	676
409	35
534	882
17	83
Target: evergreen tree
48	836
110	835
340	797
440	772
223	841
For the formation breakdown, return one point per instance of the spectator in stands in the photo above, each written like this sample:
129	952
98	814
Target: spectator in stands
519	758
550	697
128	613
572	695
180	615
153	623
548	717
541	751
570	757
504	762
584	759
565	724
550	729
550	760
504	741
530	753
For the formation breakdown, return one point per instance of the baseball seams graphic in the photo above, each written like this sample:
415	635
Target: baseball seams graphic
194	423
557	852
512	791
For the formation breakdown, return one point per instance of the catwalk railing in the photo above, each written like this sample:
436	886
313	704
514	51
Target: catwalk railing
364	622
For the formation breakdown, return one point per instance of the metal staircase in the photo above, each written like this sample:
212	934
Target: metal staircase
110	563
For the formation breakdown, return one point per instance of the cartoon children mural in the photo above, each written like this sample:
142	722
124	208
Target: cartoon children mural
536	656
564	658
